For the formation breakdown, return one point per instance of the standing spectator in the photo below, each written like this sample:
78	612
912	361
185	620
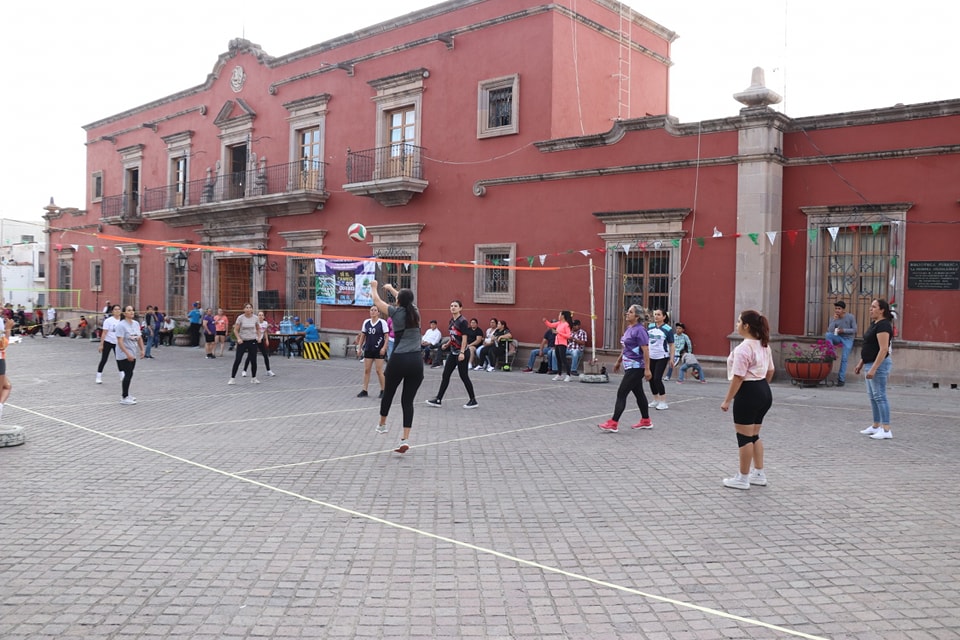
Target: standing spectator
474	340
407	364
209	332
635	358
51	319
578	342
842	330
545	351
158	320
149	320
108	341
661	353
195	316
430	344
129	346
221	321
681	345
372	344
875	356
247	332
38	320
5	386
263	345
166	331
560	343
457	358
750	370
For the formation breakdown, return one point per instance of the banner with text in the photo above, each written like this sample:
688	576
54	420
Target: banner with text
345	282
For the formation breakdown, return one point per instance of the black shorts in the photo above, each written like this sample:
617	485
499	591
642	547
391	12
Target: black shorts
209	337
373	355
221	333
752	402
3	367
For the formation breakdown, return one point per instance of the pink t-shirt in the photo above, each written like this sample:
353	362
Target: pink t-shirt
750	360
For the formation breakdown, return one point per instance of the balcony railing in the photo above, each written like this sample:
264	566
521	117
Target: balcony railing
282	178
123	206
400	160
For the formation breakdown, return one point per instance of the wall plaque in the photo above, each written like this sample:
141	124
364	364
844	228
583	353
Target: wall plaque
934	274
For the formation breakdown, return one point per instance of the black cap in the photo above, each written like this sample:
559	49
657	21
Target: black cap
841	304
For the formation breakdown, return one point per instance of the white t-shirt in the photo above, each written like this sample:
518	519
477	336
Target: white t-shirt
110	330
247	328
130	332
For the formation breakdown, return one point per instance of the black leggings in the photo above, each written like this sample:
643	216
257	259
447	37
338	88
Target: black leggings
453	362
262	346
632	382
108	348
408	369
127	367
657	369
250	348
560	351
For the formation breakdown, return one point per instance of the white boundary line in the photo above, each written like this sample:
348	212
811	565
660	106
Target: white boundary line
434	536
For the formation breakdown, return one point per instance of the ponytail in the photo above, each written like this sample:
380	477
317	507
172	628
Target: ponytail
757	323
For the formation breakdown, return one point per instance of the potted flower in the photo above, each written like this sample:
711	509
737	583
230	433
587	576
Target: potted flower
180	336
811	365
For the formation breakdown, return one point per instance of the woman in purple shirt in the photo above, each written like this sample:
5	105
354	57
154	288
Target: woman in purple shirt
635	358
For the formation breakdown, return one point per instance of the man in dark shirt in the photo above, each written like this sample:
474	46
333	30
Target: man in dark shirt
545	349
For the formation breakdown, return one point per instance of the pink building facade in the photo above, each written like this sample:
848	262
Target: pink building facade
472	134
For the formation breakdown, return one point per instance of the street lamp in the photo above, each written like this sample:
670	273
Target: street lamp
181	260
261	260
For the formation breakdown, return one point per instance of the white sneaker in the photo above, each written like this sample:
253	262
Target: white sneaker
882	435
736	482
566	378
128	400
490	368
254	381
382	428
99	379
758	478
653	405
557	378
232	381
662	406
243	374
869	431
271	373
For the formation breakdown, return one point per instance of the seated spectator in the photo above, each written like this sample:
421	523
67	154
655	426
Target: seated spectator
430	344
475	340
487	342
689	360
576	346
497	352
166	331
294	344
311	334
83	329
545	350
63	332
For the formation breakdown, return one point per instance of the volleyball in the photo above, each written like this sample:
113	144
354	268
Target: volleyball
357	232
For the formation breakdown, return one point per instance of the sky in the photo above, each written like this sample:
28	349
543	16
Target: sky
72	63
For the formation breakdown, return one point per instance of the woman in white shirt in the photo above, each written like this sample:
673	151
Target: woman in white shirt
108	340
750	370
129	347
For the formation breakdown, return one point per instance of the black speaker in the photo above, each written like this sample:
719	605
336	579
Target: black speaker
268	300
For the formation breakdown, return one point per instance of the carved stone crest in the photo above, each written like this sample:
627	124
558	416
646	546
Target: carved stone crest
237	78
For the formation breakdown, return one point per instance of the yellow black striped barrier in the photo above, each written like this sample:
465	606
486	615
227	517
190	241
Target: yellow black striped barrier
316	350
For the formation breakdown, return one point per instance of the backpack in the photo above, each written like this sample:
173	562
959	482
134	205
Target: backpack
544	366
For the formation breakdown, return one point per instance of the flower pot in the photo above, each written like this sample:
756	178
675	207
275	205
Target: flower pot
810	373
181	340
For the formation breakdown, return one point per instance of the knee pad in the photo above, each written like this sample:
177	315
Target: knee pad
743	440
755	438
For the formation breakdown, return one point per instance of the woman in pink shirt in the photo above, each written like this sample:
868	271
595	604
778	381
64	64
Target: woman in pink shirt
560	345
750	370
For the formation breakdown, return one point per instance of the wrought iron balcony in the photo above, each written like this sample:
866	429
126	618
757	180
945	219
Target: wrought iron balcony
294	188
122	210
391	175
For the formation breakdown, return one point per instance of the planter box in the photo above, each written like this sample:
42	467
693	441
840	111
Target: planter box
181	340
808	374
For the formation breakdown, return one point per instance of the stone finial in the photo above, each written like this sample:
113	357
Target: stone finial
757	95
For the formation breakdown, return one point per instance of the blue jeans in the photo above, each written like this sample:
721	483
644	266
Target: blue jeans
847	342
575	356
147	342
684	367
877	390
536	353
